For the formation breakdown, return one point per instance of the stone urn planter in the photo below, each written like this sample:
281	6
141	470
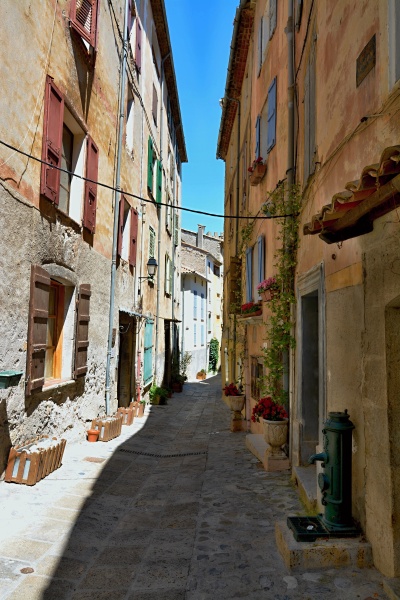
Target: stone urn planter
275	434
236	404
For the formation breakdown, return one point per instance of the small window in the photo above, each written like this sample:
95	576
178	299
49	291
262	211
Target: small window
217	271
195	304
129	121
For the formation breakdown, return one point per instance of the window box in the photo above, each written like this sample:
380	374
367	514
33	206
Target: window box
109	427
9	378
127	415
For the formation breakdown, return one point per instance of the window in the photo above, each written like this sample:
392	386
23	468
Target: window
138	45
66	145
58	333
195	304
127	232
266	124
168	216
309	115
155	105
151	159
152	242
195	335
256	377
83	19
202	303
148	353
168	275
129	120
217	271
394	42
249	274
202	335
209	322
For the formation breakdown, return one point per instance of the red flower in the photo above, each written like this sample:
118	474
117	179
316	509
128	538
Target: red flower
267	409
231	390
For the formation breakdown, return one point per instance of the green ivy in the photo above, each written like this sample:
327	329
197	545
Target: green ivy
282	201
214	355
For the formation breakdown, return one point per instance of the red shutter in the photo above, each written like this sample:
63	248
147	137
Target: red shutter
92	170
37	329
52	141
84	19
138	52
82	330
134	232
129	24
120	224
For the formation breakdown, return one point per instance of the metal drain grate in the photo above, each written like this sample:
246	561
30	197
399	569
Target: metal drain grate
163	455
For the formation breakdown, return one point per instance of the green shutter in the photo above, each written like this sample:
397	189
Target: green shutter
152	242
150	162
176	230
159	182
148	353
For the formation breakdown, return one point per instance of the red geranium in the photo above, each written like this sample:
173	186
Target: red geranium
232	390
268	409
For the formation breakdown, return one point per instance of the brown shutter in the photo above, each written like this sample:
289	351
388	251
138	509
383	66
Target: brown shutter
138	52
120	224
37	329
134	232
82	330
92	170
84	19
52	141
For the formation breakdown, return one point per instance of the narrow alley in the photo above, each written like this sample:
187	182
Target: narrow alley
174	509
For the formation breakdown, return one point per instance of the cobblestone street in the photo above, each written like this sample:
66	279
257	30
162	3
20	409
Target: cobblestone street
174	509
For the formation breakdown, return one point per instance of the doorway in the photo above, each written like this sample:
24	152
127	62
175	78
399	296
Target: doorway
126	361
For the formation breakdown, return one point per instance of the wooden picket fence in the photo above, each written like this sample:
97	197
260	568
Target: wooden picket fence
109	427
128	415
34	460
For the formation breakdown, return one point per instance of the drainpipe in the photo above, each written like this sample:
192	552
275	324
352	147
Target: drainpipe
117	196
159	211
290	172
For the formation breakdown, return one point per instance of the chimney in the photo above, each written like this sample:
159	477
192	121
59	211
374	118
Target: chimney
200	233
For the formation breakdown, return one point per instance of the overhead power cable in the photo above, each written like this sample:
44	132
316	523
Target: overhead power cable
141	198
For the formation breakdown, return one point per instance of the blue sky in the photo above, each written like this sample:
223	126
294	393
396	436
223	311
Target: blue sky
200	35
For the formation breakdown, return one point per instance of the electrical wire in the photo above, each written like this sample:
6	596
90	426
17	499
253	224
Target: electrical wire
141	198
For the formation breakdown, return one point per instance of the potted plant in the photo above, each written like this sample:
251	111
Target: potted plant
268	288
92	435
275	422
251	309
140	408
201	374
257	170
158	395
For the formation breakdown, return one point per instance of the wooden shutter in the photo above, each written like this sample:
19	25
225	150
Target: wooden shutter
159	182
37	329
92	171
152	242
249	274
138	49
83	17
150	164
120	223
271	136
52	141
148	353
134	232
155	104
176	230
272	17
82	330
260	256
258	136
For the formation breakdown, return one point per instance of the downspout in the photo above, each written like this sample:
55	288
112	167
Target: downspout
117	196
159	212
290	172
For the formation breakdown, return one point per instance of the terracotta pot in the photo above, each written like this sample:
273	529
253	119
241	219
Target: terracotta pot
275	434
176	387
140	410
93	435
256	313
267	295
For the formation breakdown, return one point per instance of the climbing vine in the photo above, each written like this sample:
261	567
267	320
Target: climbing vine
282	201
214	355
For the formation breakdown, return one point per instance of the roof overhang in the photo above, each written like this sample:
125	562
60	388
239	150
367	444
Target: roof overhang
242	31
351	213
164	42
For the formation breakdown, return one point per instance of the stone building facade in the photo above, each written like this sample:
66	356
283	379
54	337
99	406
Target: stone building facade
313	90
74	249
202	286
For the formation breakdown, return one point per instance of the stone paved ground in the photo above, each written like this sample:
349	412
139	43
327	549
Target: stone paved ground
133	523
